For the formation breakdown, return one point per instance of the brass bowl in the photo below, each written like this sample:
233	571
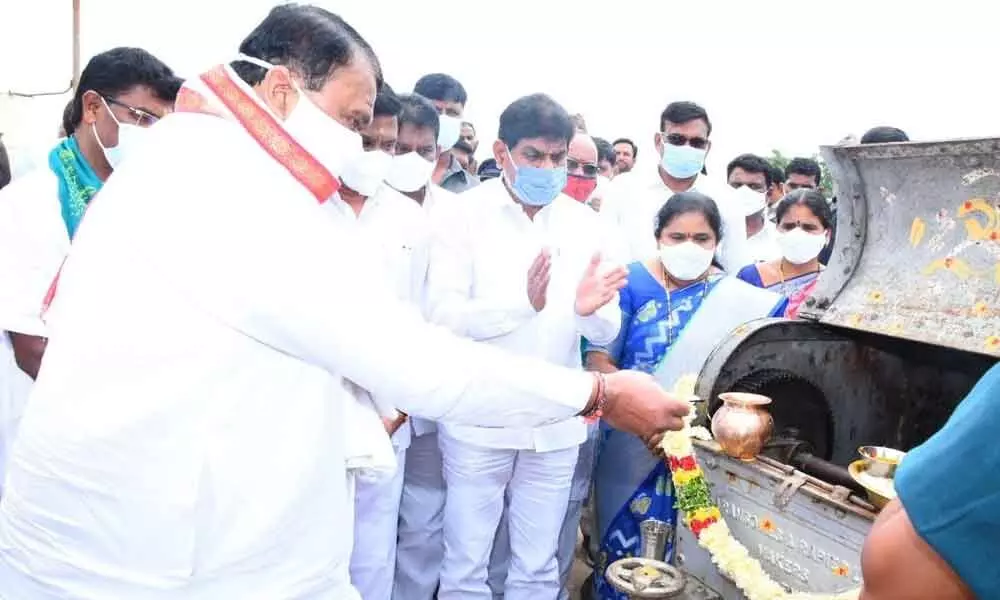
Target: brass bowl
880	489
881	461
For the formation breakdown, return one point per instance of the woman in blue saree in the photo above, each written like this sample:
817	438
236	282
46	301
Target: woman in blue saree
675	309
804	224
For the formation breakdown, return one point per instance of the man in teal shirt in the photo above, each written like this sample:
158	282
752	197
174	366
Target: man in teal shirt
940	539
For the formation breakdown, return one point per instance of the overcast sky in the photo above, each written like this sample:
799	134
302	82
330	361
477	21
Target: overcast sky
772	73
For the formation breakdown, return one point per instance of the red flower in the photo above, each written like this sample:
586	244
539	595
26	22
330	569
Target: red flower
674	464
688	463
697	526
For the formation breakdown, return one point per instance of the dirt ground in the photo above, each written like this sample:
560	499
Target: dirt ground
580	572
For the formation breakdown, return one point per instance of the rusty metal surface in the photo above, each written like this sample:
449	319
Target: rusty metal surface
917	253
876	390
807	534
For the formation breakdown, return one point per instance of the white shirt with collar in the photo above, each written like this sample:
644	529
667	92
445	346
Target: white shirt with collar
633	200
398	231
477	287
763	245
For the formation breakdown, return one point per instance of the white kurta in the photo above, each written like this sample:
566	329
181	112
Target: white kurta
633	200
33	244
185	439
396	230
477	286
420	547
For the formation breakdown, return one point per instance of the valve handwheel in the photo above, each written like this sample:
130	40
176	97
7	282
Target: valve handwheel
645	578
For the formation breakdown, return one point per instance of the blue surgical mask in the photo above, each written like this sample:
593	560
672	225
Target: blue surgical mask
536	186
682	162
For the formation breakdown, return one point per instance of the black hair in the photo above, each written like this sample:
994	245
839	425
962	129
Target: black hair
5	175
884	135
441	87
387	103
463	146
686	202
777	174
751	163
635	149
804	166
605	151
488	169
470	126
535	116
308	40
419	112
117	71
811	199
683	112
67	118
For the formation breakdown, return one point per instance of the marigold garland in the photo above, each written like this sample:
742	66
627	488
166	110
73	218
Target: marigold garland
703	518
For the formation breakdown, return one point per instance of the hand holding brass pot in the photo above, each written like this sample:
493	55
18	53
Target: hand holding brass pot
742	426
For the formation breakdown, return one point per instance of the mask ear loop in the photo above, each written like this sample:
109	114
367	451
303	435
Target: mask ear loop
93	126
253	61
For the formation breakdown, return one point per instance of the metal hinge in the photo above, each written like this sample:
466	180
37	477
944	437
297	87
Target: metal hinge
790	485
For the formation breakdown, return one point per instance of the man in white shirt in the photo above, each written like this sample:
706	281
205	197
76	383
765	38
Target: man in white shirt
636	197
395	234
750	176
519	270
189	436
121	92
449	97
420	547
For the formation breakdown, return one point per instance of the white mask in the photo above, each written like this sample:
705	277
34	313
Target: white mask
129	137
409	172
449	131
686	261
365	173
751	202
799	246
330	143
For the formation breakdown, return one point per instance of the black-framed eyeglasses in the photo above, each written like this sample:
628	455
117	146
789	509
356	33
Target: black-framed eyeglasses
142	118
588	169
800	186
677	139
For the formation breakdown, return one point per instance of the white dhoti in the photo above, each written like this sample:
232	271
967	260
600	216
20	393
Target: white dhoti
420	547
477	479
376	509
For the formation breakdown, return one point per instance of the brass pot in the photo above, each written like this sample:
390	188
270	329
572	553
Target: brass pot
741	425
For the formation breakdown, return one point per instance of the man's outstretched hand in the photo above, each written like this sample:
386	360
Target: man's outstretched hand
638	405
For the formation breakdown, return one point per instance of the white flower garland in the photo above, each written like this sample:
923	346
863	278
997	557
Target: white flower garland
730	556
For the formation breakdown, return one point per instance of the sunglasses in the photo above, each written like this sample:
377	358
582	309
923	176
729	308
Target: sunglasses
588	169
677	139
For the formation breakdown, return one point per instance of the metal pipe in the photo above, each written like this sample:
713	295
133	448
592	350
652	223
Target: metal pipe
75	77
827	471
76	45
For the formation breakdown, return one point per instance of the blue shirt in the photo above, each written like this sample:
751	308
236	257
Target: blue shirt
950	488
